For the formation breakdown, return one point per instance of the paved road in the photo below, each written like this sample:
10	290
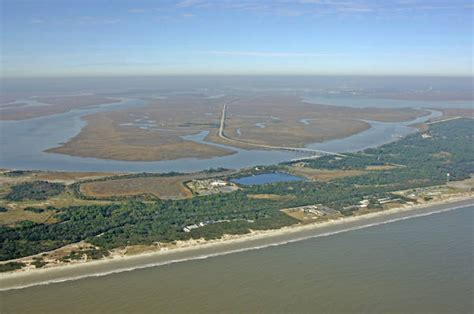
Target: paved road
443	120
296	149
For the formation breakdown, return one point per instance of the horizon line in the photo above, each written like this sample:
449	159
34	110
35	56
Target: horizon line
236	75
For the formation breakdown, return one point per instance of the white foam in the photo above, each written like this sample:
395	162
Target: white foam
202	257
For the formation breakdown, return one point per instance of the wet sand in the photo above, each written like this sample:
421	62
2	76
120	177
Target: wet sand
193	250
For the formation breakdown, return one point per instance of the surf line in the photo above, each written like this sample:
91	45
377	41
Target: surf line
224	253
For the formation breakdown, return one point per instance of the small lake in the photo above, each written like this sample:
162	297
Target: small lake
266	178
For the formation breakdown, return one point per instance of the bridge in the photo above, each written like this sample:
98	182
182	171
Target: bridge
442	120
222	135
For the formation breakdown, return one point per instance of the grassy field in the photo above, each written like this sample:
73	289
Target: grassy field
51	176
455	112
69	177
146	134
155	132
420	176
15	215
273	197
16	209
308	217
164	187
467	184
161	187
287	121
324	174
381	167
266	131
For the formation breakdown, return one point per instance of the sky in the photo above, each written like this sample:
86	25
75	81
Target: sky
205	37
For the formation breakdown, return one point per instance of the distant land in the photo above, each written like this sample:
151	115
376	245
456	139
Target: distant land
52	219
44	106
154	132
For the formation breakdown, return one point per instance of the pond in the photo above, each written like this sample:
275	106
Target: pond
266	178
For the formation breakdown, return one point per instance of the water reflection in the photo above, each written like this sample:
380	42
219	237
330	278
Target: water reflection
23	144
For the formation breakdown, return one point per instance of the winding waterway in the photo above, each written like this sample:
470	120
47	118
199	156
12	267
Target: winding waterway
378	134
23	144
410	265
362	102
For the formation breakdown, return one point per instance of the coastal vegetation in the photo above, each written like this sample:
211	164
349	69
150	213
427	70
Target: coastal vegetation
11	266
150	133
36	190
142	185
159	130
295	123
325	174
410	163
154	187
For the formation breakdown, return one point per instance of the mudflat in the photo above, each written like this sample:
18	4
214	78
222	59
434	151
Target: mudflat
156	132
288	121
148	134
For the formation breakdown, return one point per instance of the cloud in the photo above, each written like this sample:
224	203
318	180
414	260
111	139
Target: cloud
355	8
286	8
92	20
37	21
272	54
137	10
121	63
188	3
188	15
321	8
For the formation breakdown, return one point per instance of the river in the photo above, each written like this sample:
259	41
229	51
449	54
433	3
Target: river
23	144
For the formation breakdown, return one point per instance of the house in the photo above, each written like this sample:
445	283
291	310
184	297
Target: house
364	203
190	227
218	183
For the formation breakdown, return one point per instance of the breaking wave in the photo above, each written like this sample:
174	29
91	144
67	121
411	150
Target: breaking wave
231	251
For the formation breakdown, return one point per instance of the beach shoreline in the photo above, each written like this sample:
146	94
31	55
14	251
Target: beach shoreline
200	249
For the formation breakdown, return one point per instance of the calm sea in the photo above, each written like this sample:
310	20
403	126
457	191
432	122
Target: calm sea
418	265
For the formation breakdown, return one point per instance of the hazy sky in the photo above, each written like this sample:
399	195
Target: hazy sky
134	37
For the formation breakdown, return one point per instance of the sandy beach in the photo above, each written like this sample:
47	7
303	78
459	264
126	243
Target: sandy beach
200	249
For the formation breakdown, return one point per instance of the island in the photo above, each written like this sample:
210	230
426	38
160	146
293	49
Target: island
51	219
161	130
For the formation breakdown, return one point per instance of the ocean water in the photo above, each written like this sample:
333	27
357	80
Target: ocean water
418	265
